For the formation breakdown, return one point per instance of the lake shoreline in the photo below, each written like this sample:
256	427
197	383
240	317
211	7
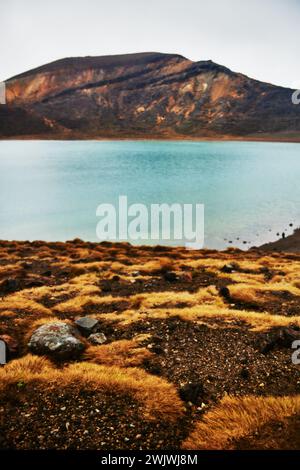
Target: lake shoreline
275	139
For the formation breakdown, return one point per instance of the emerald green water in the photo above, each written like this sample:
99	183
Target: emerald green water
50	189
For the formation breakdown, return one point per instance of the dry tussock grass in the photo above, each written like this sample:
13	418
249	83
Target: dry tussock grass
53	292
155	265
17	302
257	321
82	291
10	269
236	417
158	398
78	304
238	277
259	294
122	353
206	295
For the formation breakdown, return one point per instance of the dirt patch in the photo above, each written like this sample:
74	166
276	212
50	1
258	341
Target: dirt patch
283	435
74	419
222	360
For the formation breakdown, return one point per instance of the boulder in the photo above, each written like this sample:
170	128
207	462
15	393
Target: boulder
87	325
56	339
97	338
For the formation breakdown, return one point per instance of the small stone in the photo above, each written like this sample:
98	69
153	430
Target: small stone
97	338
87	325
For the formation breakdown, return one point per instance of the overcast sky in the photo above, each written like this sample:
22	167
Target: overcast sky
256	37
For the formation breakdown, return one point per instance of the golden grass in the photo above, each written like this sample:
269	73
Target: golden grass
122	353
18	302
78	304
172	299
154	265
53	292
157	398
252	278
257	321
260	294
10	269
237	417
82	291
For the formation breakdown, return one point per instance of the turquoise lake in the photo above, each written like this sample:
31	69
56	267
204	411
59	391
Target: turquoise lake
49	190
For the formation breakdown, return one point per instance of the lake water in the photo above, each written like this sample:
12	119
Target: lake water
50	190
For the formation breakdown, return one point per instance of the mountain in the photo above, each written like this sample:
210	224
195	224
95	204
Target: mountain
144	95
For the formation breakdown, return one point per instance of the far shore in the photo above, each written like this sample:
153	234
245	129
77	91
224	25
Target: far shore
284	138
288	244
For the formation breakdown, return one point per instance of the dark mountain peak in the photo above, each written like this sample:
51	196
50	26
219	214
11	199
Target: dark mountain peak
145	94
78	64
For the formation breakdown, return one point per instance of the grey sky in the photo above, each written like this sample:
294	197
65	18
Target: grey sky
255	37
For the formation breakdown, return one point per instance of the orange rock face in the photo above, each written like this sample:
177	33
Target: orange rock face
149	94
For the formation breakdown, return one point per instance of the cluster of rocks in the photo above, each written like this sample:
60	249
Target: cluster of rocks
61	340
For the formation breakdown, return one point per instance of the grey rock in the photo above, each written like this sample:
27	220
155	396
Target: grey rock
56	339
97	338
87	325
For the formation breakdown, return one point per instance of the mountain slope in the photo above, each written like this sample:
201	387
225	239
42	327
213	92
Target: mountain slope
150	94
